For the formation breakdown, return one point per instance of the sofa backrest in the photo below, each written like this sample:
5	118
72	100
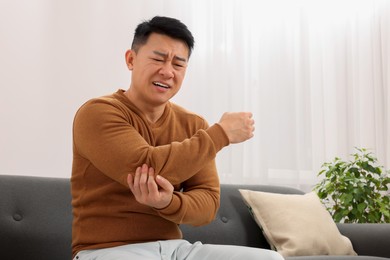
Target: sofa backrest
36	218
234	224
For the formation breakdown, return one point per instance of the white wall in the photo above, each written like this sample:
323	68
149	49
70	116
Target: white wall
54	55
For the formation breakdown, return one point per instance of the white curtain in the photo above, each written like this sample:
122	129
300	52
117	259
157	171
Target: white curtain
314	73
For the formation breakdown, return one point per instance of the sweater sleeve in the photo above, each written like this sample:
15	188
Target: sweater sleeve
198	203
103	135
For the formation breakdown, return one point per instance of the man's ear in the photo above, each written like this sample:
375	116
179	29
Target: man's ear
130	54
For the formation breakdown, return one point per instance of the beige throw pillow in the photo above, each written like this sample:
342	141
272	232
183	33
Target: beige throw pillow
296	225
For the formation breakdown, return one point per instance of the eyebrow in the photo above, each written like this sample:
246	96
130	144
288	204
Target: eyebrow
165	55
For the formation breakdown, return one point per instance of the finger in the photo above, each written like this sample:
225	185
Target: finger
152	185
130	180
249	121
143	180
136	190
164	183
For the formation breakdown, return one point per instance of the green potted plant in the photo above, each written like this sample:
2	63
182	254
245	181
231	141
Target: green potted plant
355	191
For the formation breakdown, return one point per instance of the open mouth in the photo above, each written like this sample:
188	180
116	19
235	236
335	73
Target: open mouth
161	85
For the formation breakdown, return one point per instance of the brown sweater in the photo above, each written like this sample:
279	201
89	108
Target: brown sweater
111	138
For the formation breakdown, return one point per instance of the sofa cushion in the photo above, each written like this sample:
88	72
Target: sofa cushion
296	225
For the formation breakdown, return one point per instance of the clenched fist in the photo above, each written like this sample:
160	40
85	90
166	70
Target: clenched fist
238	126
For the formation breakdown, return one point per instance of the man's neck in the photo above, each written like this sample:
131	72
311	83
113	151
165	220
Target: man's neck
152	113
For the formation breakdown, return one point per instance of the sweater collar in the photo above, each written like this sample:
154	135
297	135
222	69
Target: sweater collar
121	97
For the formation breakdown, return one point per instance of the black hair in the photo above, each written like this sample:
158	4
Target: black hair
162	25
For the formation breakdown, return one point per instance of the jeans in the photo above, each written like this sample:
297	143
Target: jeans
177	250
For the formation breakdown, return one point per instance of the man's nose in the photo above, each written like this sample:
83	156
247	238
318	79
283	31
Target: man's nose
167	70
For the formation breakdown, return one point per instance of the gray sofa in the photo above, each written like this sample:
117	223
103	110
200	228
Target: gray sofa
36	215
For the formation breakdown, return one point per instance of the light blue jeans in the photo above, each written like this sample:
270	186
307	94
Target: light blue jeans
177	250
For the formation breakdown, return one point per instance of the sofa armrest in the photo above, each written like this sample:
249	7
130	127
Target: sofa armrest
368	239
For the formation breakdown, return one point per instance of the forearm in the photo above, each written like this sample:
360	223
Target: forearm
199	202
184	159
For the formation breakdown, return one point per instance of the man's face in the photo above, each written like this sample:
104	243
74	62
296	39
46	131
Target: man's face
158	69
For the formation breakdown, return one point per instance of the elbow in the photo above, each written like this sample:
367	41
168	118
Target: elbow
210	216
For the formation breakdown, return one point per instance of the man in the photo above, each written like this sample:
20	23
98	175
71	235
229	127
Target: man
143	165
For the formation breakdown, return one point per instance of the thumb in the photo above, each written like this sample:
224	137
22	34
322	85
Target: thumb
164	183
130	181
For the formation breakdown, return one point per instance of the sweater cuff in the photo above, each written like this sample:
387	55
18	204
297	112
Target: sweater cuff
172	208
219	137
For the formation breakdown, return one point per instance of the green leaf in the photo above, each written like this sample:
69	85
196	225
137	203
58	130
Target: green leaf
346	198
361	207
338	216
355	171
